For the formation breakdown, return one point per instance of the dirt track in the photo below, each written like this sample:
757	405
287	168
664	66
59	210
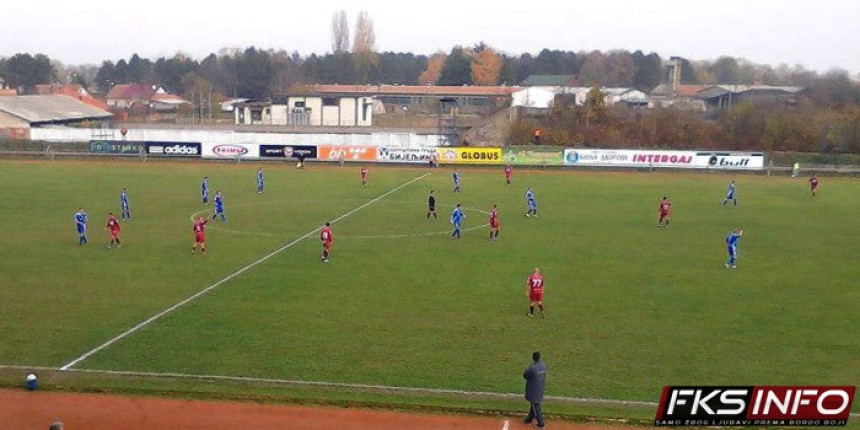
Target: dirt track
23	410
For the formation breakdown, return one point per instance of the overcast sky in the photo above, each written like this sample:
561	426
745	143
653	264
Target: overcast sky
820	34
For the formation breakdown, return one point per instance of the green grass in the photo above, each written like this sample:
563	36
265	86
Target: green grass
630	308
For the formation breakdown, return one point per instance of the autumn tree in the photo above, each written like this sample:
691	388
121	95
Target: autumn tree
486	64
431	74
595	105
364	46
339	33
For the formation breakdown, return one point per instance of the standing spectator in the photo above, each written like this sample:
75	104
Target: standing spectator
796	170
57	425
535	376
536	135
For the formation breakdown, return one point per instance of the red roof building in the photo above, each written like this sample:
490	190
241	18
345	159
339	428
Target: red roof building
75	91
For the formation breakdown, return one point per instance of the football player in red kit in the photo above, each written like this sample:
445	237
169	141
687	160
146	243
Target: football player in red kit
665	210
494	223
327	239
534	291
199	234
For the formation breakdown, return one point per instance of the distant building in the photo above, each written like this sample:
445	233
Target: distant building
681	96
533	98
140	96
702	97
20	113
417	96
726	96
227	105
354	109
550	81
71	90
5	90
544	97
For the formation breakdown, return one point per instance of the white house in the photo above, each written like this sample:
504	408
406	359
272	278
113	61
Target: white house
533	97
336	110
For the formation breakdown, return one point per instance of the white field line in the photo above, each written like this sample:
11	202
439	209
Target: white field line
369	387
418	390
200	293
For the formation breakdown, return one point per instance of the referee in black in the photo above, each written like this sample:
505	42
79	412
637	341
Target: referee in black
431	206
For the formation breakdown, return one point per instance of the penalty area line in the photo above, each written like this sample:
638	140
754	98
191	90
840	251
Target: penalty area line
229	277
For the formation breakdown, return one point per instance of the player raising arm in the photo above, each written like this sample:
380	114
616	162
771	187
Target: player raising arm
81	226
664	210
113	228
219	206
730	195
534	291
732	247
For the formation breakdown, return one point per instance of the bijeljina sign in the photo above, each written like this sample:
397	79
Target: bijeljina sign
469	155
399	154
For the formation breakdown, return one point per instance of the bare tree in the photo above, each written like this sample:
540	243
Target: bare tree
363	46
339	33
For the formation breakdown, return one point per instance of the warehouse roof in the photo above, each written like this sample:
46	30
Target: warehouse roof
50	108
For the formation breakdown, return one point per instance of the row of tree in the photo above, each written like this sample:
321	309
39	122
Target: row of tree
803	127
260	74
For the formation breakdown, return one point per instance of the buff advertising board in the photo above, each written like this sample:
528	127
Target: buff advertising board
631	158
398	154
469	155
347	153
230	150
533	156
731	160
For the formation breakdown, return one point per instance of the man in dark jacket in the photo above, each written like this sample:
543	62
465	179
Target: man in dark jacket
535	376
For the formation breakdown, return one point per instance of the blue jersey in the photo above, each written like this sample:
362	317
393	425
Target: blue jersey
259	177
219	203
81	221
456	217
732	241
731	190
456	177
204	187
124	199
530	198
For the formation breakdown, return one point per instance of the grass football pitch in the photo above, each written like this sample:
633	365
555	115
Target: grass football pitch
630	307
